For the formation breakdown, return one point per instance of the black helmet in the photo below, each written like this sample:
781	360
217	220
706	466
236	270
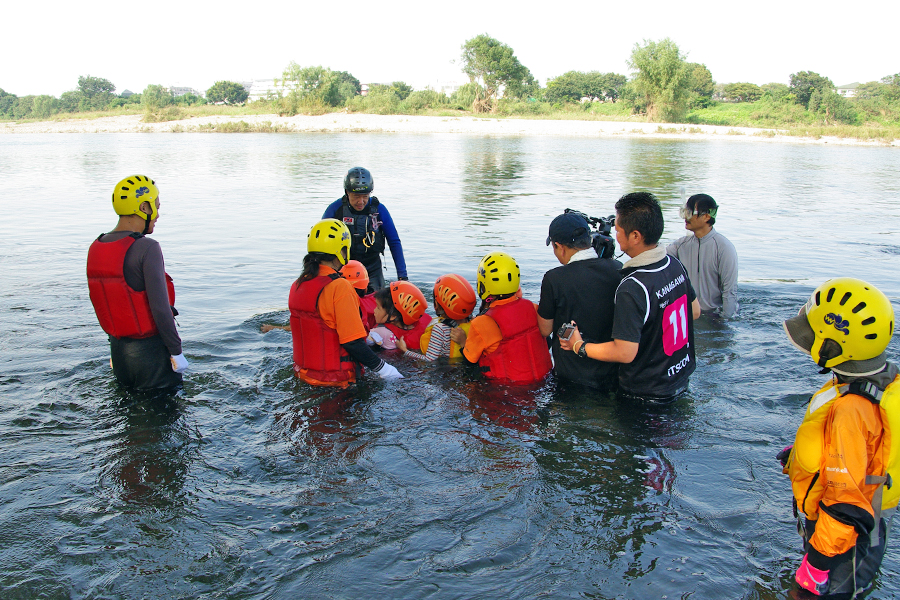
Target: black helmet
358	181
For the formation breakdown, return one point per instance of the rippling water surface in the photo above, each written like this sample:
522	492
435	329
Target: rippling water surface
250	484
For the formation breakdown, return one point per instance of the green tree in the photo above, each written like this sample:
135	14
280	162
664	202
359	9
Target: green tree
701	83
804	83
318	86
155	97
229	92
97	90
613	84
743	92
493	65
466	95
402	88
7	104
777	92
661	77
71	102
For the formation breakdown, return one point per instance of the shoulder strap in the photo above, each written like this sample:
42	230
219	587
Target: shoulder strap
866	389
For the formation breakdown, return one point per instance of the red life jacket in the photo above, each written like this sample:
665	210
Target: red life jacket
121	310
367	307
412	337
319	358
522	356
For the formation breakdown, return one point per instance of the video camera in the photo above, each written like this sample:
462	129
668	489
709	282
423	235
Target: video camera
601	236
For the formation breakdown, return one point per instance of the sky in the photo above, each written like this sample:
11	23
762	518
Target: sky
46	47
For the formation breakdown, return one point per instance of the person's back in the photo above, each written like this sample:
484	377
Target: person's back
582	290
653	329
132	295
505	340
659	292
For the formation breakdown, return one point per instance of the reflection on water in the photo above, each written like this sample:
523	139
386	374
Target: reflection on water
491	172
251	484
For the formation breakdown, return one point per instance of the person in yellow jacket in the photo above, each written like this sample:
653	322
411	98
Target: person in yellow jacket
847	449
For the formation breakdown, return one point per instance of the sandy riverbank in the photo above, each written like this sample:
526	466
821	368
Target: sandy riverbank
345	122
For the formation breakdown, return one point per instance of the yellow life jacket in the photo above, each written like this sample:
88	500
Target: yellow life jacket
808	454
455	352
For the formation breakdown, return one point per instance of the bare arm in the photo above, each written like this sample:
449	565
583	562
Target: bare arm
618	351
695	308
545	326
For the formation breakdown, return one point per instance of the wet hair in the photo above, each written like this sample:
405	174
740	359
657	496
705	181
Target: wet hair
311	264
703	203
385	301
640	211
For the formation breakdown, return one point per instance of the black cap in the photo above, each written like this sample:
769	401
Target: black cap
566	228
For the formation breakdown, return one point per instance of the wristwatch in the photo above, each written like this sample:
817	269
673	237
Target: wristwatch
582	352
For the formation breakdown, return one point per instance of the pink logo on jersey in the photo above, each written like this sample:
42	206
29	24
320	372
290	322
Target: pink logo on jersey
675	326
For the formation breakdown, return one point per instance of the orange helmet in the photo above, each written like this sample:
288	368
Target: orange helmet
455	296
408	300
356	273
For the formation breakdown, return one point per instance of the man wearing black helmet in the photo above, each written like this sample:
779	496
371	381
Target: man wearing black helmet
370	226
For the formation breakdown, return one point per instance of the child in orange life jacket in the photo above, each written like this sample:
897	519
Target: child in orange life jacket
846	451
454	301
399	313
504	339
356	273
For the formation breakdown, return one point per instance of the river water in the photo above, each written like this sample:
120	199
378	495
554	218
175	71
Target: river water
250	484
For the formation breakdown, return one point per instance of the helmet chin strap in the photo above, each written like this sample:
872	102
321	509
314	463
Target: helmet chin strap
146	226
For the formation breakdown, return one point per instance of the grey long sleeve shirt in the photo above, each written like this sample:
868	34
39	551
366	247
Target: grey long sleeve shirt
712	265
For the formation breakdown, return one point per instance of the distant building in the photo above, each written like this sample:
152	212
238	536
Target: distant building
126	94
849	90
181	91
263	89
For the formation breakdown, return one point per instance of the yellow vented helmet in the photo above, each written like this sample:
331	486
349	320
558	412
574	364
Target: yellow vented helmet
498	274
846	320
329	236
133	191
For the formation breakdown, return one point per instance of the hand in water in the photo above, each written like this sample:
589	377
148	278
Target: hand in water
265	328
401	344
569	343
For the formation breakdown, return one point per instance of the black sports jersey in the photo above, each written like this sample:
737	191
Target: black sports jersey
653	309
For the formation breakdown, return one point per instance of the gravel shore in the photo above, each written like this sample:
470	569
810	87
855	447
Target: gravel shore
354	122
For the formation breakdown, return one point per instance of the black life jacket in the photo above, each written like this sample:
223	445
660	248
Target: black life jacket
366	232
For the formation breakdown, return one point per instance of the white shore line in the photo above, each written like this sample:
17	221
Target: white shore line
357	123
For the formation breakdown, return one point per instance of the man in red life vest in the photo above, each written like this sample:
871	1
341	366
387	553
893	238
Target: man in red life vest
132	294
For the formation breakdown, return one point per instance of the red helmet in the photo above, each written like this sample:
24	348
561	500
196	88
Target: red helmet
408	300
356	273
455	296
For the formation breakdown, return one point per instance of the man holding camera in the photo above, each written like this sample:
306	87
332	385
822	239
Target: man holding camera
582	289
653	330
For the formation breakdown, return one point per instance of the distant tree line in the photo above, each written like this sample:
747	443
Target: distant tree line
662	85
98	94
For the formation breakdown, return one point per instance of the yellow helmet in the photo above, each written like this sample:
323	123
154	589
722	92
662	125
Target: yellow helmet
845	326
498	275
329	236
133	191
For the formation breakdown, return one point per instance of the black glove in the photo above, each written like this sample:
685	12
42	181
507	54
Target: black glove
784	454
403	279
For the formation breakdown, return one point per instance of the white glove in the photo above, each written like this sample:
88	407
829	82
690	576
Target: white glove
388	372
179	363
374	339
